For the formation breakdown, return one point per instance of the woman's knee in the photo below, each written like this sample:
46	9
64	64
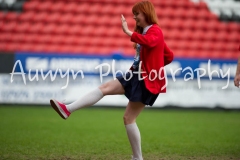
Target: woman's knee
128	119
104	88
111	88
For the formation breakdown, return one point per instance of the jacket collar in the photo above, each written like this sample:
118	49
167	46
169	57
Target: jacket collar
146	29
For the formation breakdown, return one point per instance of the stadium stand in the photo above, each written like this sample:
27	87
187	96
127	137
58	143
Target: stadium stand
192	28
227	10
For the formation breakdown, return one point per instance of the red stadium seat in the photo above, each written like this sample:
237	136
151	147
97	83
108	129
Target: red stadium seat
182	13
231	46
70	7
31	5
178	24
172	43
52	18
167	12
32	38
194	45
211	35
231	27
6	37
57	6
79	19
206	46
23	28
82	7
17	37
11	16
3	46
232	37
67	18
36	28
227	55
44	6
27	17
65	48
76	29
180	53
115	32
199	35
88	30
41	17
2	16
26	47
128	51
13	46
9	27
42	39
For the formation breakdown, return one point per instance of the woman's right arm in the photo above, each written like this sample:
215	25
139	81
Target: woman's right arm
237	76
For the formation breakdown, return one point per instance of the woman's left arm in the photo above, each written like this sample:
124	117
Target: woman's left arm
153	37
150	39
125	26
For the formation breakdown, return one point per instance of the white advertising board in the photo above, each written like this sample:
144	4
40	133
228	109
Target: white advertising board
180	93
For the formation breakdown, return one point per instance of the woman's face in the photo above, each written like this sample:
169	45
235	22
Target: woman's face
140	19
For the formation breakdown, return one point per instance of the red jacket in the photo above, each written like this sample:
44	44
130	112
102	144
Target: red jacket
154	55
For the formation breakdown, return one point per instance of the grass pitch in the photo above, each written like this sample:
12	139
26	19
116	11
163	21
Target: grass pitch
38	133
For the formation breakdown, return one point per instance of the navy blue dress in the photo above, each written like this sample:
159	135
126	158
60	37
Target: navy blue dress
135	89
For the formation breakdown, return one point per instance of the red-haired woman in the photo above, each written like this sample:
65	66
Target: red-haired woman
143	88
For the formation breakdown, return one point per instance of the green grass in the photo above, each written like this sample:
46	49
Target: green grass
99	134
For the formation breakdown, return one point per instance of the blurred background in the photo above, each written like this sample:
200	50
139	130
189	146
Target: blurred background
43	37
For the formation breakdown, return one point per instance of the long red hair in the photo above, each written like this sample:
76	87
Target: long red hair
147	8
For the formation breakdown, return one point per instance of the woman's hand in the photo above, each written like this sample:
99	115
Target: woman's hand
237	80
125	26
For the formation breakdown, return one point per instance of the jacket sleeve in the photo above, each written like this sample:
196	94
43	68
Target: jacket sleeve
150	39
168	55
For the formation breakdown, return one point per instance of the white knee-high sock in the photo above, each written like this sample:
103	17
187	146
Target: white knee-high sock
89	99
135	140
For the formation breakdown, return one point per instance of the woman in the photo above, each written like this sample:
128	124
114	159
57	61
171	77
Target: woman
237	76
142	89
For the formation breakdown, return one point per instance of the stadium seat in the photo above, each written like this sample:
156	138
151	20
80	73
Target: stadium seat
27	47
6	37
42	16
57	6
70	7
12	16
36	28
51	18
67	49
3	46
231	27
12	46
76	29
27	16
47	29
17	37
23	28
44	6
9	27
2	16
200	35
31	5
67	18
